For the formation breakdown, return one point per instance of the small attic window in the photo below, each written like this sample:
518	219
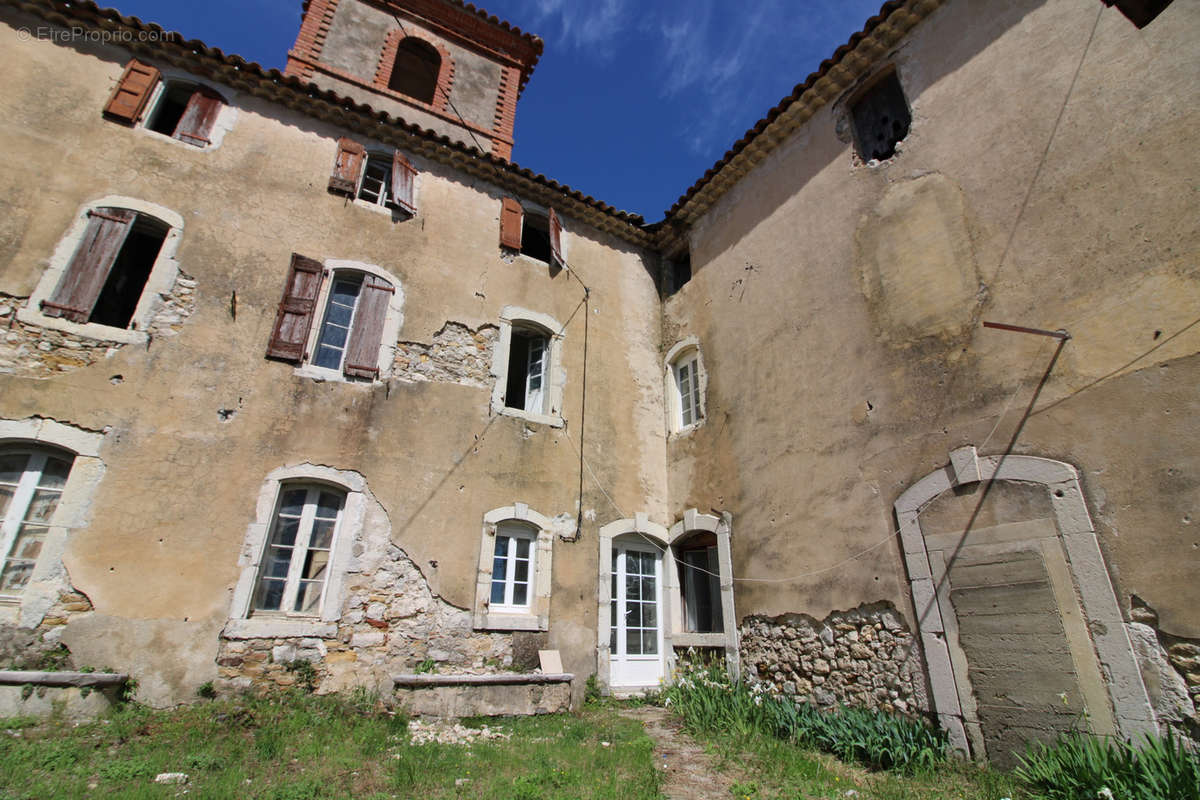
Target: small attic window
881	118
535	238
1140	12
415	70
678	272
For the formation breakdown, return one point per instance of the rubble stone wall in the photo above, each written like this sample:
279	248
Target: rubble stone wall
863	657
457	355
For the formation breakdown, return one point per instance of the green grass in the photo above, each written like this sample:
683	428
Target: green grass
767	768
298	746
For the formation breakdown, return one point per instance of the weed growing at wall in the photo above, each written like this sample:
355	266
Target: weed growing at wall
710	702
1081	765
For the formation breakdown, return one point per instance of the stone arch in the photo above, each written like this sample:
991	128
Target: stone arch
1121	705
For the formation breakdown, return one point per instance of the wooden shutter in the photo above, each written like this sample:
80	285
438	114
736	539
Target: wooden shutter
366	333
404	176
296	309
556	240
197	121
133	90
78	289
348	166
511	217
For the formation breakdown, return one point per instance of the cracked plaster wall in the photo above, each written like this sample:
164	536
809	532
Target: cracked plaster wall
159	557
839	305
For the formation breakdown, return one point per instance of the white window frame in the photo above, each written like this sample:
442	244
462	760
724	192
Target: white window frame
685	353
159	283
244	623
513	532
393	321
300	548
384	200
226	117
27	485
553	376
535	616
49	577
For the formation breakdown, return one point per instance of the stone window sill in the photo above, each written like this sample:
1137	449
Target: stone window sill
268	628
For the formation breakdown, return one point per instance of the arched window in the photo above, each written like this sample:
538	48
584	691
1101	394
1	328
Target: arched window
297	552
107	276
686	381
31	485
294	567
415	70
513	585
527	366
338	318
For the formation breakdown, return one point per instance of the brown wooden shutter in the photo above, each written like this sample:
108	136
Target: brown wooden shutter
556	239
296	310
362	352
511	216
404	176
78	289
133	90
196	124
348	166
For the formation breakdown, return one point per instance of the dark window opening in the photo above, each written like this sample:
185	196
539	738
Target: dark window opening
679	272
525	382
881	119
700	584
535	237
123	288
415	71
518	357
1140	12
169	110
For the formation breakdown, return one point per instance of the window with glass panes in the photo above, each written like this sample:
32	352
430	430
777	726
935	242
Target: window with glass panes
31	485
634	603
376	183
339	315
687	384
295	563
513	567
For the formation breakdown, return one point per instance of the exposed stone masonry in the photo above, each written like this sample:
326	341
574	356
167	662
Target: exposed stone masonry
391	623
1171	670
35	351
864	657
457	355
40	648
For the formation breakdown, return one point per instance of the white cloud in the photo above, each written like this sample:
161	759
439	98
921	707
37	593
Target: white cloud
595	28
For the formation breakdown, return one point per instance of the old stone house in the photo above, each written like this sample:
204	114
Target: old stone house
301	367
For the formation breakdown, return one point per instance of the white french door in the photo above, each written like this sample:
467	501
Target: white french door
636	635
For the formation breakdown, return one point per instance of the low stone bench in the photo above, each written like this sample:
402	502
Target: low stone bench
508	694
58	693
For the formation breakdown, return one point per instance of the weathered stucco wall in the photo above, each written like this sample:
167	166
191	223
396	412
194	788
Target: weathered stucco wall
198	419
838	305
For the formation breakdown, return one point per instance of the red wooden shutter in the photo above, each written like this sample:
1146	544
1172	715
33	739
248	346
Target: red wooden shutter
404	176
197	121
511	216
555	239
133	90
296	309
348	166
366	334
80	285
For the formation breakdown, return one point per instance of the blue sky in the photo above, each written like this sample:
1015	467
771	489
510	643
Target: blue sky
632	99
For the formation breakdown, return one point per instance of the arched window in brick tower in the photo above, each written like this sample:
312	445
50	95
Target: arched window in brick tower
415	70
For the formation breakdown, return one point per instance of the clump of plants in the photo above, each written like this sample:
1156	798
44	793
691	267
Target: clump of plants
709	701
305	672
1081	765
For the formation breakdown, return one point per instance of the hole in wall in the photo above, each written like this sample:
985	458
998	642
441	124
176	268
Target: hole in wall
115	379
1157	334
1058	492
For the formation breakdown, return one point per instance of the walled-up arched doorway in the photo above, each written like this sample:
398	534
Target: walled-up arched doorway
1022	633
